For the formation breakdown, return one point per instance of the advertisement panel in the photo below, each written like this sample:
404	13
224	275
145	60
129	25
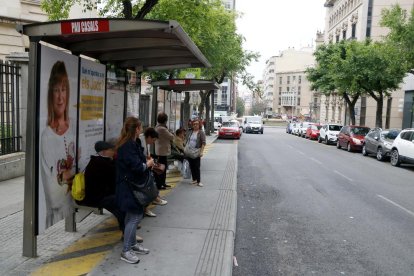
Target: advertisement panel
115	105
91	108
57	91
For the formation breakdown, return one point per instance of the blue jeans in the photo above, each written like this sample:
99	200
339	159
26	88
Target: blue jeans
131	222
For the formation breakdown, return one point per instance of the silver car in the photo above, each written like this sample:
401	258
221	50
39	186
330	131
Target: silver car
379	142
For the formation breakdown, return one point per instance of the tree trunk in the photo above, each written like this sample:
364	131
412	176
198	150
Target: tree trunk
351	106
380	104
186	110
207	119
203	96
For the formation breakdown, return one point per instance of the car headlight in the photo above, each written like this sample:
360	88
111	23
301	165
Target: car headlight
356	141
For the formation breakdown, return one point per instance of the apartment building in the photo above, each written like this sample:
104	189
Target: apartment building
286	89
360	19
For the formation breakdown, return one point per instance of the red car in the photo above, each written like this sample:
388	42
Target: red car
230	130
312	132
352	137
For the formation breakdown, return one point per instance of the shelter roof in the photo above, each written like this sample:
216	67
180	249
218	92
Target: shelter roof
180	85
143	45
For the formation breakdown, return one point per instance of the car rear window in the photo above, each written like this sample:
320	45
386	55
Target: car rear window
360	130
229	124
392	134
335	128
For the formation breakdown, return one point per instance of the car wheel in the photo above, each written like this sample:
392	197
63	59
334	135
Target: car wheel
348	147
380	154
395	158
326	140
338	145
319	139
364	151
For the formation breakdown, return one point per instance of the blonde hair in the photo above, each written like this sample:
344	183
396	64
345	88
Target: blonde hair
58	75
128	131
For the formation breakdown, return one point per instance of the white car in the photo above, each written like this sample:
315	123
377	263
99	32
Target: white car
402	150
329	133
303	127
295	128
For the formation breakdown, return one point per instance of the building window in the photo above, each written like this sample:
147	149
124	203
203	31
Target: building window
288	79
287	89
294	78
298	90
280	80
344	34
280	101
298	101
353	30
337	38
300	79
280	90
224	95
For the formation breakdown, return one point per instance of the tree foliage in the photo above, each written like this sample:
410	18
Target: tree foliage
240	108
401	26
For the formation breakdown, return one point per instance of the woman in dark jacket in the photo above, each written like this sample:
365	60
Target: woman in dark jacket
196	139
131	164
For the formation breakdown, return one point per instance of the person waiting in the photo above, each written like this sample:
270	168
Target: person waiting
100	179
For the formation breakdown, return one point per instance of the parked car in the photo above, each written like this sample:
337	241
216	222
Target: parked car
217	125
312	132
402	150
295	128
302	128
230	129
352	137
379	142
329	133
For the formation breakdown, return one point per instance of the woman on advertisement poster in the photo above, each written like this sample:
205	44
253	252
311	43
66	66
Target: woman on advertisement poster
57	148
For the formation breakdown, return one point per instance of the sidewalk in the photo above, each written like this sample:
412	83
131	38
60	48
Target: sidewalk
192	235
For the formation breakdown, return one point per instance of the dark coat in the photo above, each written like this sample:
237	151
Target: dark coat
100	178
130	163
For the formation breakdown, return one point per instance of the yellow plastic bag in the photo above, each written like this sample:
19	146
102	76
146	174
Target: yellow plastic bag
78	186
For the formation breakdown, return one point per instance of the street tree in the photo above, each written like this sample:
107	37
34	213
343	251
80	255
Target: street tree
258	107
401	31
328	77
376	69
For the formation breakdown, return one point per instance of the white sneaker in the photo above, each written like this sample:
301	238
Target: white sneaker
160	202
149	213
199	184
129	257
139	249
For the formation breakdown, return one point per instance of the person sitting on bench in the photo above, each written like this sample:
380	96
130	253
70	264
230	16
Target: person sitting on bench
100	182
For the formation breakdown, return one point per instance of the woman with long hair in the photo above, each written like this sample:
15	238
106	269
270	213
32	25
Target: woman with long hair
131	164
196	140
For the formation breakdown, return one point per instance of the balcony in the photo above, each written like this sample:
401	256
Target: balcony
329	3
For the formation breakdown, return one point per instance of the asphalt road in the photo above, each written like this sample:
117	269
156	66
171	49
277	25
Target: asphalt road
310	209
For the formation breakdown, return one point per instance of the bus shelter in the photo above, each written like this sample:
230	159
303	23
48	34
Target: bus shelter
167	92
75	98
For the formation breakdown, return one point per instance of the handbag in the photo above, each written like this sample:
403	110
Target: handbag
78	186
191	152
144	193
158	168
185	169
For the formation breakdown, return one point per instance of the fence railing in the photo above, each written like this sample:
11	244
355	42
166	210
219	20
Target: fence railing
10	138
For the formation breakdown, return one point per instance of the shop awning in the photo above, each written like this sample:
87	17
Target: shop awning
143	45
180	85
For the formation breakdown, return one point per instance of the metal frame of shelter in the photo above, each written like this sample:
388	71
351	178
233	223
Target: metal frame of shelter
140	45
180	85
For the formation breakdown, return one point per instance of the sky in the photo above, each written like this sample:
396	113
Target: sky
271	26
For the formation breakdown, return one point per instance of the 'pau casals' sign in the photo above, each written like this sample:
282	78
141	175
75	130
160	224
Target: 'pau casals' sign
84	26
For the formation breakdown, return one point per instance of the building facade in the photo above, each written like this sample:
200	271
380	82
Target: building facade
360	19
286	88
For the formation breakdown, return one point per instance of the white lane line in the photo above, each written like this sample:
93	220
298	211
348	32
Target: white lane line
396	204
315	160
349	179
301	152
290	146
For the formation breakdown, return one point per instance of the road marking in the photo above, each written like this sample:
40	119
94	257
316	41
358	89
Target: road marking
300	152
349	179
315	160
290	146
396	205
